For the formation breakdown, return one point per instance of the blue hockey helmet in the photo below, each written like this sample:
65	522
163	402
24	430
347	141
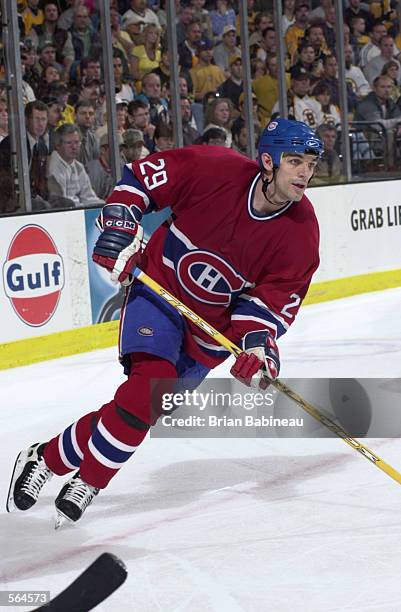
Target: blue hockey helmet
288	136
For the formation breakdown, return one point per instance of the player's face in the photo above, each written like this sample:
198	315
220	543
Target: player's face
291	179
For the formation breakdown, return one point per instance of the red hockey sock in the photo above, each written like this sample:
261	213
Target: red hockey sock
125	421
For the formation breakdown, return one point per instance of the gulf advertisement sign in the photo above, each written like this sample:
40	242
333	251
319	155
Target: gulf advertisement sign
33	275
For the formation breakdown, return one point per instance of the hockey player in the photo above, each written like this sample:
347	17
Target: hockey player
240	249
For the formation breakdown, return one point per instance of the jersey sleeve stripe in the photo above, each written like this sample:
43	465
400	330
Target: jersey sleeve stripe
258	302
269	324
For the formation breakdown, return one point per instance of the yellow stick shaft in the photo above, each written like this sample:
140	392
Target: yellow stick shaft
278	384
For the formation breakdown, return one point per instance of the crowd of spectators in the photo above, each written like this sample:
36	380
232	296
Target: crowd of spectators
63	85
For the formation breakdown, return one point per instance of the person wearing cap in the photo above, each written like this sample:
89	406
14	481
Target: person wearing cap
266	88
133	146
139	13
301	106
226	49
206	77
99	170
233	86
223	16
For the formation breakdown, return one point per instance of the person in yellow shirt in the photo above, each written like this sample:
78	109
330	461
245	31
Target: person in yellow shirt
32	16
296	31
206	77
148	55
266	89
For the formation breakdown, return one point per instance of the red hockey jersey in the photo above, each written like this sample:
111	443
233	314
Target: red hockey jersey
237	269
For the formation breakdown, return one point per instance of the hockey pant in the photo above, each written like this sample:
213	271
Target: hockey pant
100	442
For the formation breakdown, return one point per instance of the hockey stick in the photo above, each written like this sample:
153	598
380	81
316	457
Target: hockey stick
91	587
278	384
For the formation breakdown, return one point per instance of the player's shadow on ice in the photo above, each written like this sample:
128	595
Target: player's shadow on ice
179	484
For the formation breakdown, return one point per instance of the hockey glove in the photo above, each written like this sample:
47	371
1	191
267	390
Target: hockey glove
259	362
119	246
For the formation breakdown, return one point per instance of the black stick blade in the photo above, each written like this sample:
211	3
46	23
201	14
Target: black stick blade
91	587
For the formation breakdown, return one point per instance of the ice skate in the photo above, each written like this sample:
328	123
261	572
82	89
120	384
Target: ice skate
29	475
73	499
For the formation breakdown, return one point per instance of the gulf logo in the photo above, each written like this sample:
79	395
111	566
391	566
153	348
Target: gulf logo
33	275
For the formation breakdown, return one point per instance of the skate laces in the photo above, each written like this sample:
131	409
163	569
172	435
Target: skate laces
80	493
38	475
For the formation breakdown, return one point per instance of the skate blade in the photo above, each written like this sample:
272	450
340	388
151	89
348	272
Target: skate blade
60	520
17	471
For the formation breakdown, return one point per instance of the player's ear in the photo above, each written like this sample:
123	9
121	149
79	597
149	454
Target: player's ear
267	162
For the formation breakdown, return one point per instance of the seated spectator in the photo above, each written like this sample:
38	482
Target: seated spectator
53	120
301	106
308	62
219	113
222	16
49	76
163	69
392	70
206	77
189	131
139	13
288	17
36	125
122	89
354	76
329	166
3	120
372	49
251	15
329	27
30	70
267	46
314	35
68	182
120	39
318	13
32	15
330	78
85	40
185	16
99	170
226	49
133	146
138	118
47	57
266	89
163	137
358	38
146	57
296	31
258	68
233	86
374	67
214	136
187	49
85	122
90	69
60	92
263	20
355	10
378	107
151	95
49	32
240	120
202	15
240	135
330	113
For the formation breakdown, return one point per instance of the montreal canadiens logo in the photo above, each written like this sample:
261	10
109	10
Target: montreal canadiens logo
208	278
33	275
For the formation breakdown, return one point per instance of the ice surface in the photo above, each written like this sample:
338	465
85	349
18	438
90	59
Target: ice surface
221	525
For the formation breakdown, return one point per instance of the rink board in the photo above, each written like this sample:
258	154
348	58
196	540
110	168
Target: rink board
52	295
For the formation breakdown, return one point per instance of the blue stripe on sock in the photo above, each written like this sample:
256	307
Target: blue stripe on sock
108	450
69	451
